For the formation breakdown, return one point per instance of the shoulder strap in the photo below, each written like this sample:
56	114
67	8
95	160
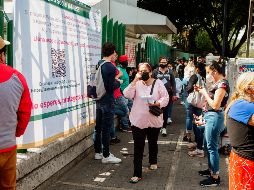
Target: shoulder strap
152	87
100	65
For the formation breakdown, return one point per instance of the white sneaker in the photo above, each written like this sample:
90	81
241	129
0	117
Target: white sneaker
169	120
98	156
111	159
164	132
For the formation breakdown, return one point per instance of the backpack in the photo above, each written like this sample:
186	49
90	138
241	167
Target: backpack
95	88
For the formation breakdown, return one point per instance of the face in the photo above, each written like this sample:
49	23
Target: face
163	63
2	58
114	57
210	71
143	68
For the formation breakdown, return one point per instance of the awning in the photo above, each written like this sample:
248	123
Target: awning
141	21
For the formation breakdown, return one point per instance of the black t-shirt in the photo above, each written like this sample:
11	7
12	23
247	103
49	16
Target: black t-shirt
240	133
220	84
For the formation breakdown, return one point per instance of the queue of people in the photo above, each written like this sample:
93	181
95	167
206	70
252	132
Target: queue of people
143	99
204	94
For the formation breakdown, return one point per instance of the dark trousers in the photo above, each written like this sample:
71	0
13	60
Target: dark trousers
166	113
104	121
139	136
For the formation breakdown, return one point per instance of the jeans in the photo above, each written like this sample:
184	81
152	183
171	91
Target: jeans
184	94
166	111
190	110
139	136
199	136
8	170
121	110
104	121
170	107
213	127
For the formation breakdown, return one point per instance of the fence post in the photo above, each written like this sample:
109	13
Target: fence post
104	30
2	18
10	47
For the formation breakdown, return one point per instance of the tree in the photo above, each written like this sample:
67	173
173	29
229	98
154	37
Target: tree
208	15
203	41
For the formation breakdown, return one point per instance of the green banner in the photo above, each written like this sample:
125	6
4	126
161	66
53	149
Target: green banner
73	6
61	111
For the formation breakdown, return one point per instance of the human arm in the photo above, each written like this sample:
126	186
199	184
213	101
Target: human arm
119	74
108	71
190	87
163	96
218	97
130	91
251	121
24	110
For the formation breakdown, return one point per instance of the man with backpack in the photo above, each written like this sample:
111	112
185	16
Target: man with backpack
105	86
165	74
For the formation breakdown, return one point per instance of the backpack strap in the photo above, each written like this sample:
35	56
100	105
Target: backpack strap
153	86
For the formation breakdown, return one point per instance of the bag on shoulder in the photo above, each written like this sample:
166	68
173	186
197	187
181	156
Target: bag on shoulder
95	87
155	110
195	98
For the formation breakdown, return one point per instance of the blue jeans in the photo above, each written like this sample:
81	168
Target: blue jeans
121	110
170	107
213	127
199	136
190	110
104	121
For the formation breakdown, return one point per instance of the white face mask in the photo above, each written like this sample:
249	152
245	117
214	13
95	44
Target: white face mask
210	78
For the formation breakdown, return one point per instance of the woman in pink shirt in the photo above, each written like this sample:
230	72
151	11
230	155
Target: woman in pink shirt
144	124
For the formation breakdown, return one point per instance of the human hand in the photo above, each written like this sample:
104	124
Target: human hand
174	98
119	80
200	89
198	120
154	104
137	77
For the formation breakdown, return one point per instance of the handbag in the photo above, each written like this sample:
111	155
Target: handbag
155	110
195	98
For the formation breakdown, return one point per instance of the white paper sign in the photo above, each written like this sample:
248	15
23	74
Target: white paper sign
55	48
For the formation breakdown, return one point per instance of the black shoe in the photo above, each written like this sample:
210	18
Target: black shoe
187	139
115	141
206	173
210	182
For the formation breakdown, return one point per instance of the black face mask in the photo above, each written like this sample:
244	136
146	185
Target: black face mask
163	66
145	76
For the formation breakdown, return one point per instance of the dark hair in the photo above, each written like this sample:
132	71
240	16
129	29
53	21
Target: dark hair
217	66
162	57
3	50
108	49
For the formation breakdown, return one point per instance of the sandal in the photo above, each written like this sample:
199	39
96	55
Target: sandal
135	179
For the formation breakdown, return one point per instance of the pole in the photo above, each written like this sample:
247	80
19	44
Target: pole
10	47
225	28
249	28
2	18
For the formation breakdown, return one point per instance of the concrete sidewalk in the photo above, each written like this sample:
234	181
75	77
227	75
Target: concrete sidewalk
176	170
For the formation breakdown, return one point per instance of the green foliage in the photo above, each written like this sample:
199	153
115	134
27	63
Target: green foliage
209	15
203	41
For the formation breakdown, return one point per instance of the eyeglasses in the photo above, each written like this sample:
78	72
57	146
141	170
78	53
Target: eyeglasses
164	62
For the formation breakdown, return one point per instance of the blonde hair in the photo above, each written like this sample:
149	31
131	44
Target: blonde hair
242	84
